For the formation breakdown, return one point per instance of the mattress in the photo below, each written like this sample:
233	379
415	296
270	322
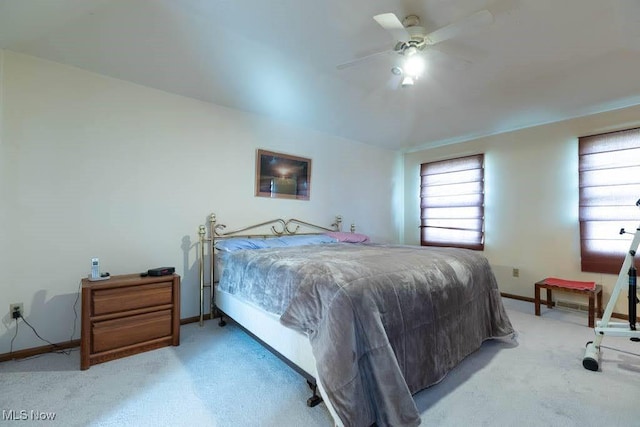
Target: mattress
383	321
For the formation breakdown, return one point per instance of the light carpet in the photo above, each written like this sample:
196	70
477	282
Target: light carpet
221	377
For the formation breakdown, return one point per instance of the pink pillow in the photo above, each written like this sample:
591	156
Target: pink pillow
341	236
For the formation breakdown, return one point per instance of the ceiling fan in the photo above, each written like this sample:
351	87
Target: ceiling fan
411	39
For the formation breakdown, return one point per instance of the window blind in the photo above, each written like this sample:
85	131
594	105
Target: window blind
609	176
452	203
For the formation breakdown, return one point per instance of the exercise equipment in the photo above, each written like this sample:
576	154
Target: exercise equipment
604	327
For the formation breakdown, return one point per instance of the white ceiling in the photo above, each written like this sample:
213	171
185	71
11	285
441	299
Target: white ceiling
540	61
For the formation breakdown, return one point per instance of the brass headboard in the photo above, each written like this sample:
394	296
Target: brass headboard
278	227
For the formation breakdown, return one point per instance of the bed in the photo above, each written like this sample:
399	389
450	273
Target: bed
368	324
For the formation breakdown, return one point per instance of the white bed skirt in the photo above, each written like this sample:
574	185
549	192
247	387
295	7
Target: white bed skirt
291	344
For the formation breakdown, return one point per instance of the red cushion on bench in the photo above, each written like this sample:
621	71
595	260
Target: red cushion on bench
572	284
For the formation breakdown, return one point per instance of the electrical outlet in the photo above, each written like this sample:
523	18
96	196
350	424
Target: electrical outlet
16	305
516	272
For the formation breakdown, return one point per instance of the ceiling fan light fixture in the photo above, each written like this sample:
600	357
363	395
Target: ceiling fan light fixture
408	81
414	66
410	51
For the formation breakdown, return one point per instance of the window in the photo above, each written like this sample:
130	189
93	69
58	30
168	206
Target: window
609	174
452	203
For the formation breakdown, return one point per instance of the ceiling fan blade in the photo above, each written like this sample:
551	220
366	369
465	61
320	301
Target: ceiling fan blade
442	59
457	50
391	23
362	59
465	25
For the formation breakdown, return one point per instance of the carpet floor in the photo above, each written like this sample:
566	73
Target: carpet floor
221	377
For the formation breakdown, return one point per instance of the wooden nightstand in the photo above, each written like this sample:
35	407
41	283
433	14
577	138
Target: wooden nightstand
128	314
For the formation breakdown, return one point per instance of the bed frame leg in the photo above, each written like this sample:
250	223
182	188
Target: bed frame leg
218	313
314	399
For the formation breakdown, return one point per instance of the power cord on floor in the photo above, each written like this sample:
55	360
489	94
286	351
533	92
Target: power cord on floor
58	348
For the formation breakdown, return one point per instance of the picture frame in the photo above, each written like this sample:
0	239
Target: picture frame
282	176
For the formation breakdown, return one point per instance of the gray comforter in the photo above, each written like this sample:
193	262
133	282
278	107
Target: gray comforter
384	321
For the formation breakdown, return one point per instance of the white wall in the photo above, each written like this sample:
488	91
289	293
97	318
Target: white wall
97	167
531	200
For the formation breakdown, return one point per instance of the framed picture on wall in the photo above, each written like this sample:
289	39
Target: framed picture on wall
282	176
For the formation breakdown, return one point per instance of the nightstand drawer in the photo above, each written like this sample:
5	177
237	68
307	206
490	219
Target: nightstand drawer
116	333
122	299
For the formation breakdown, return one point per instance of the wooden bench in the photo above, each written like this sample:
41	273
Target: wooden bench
593	294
